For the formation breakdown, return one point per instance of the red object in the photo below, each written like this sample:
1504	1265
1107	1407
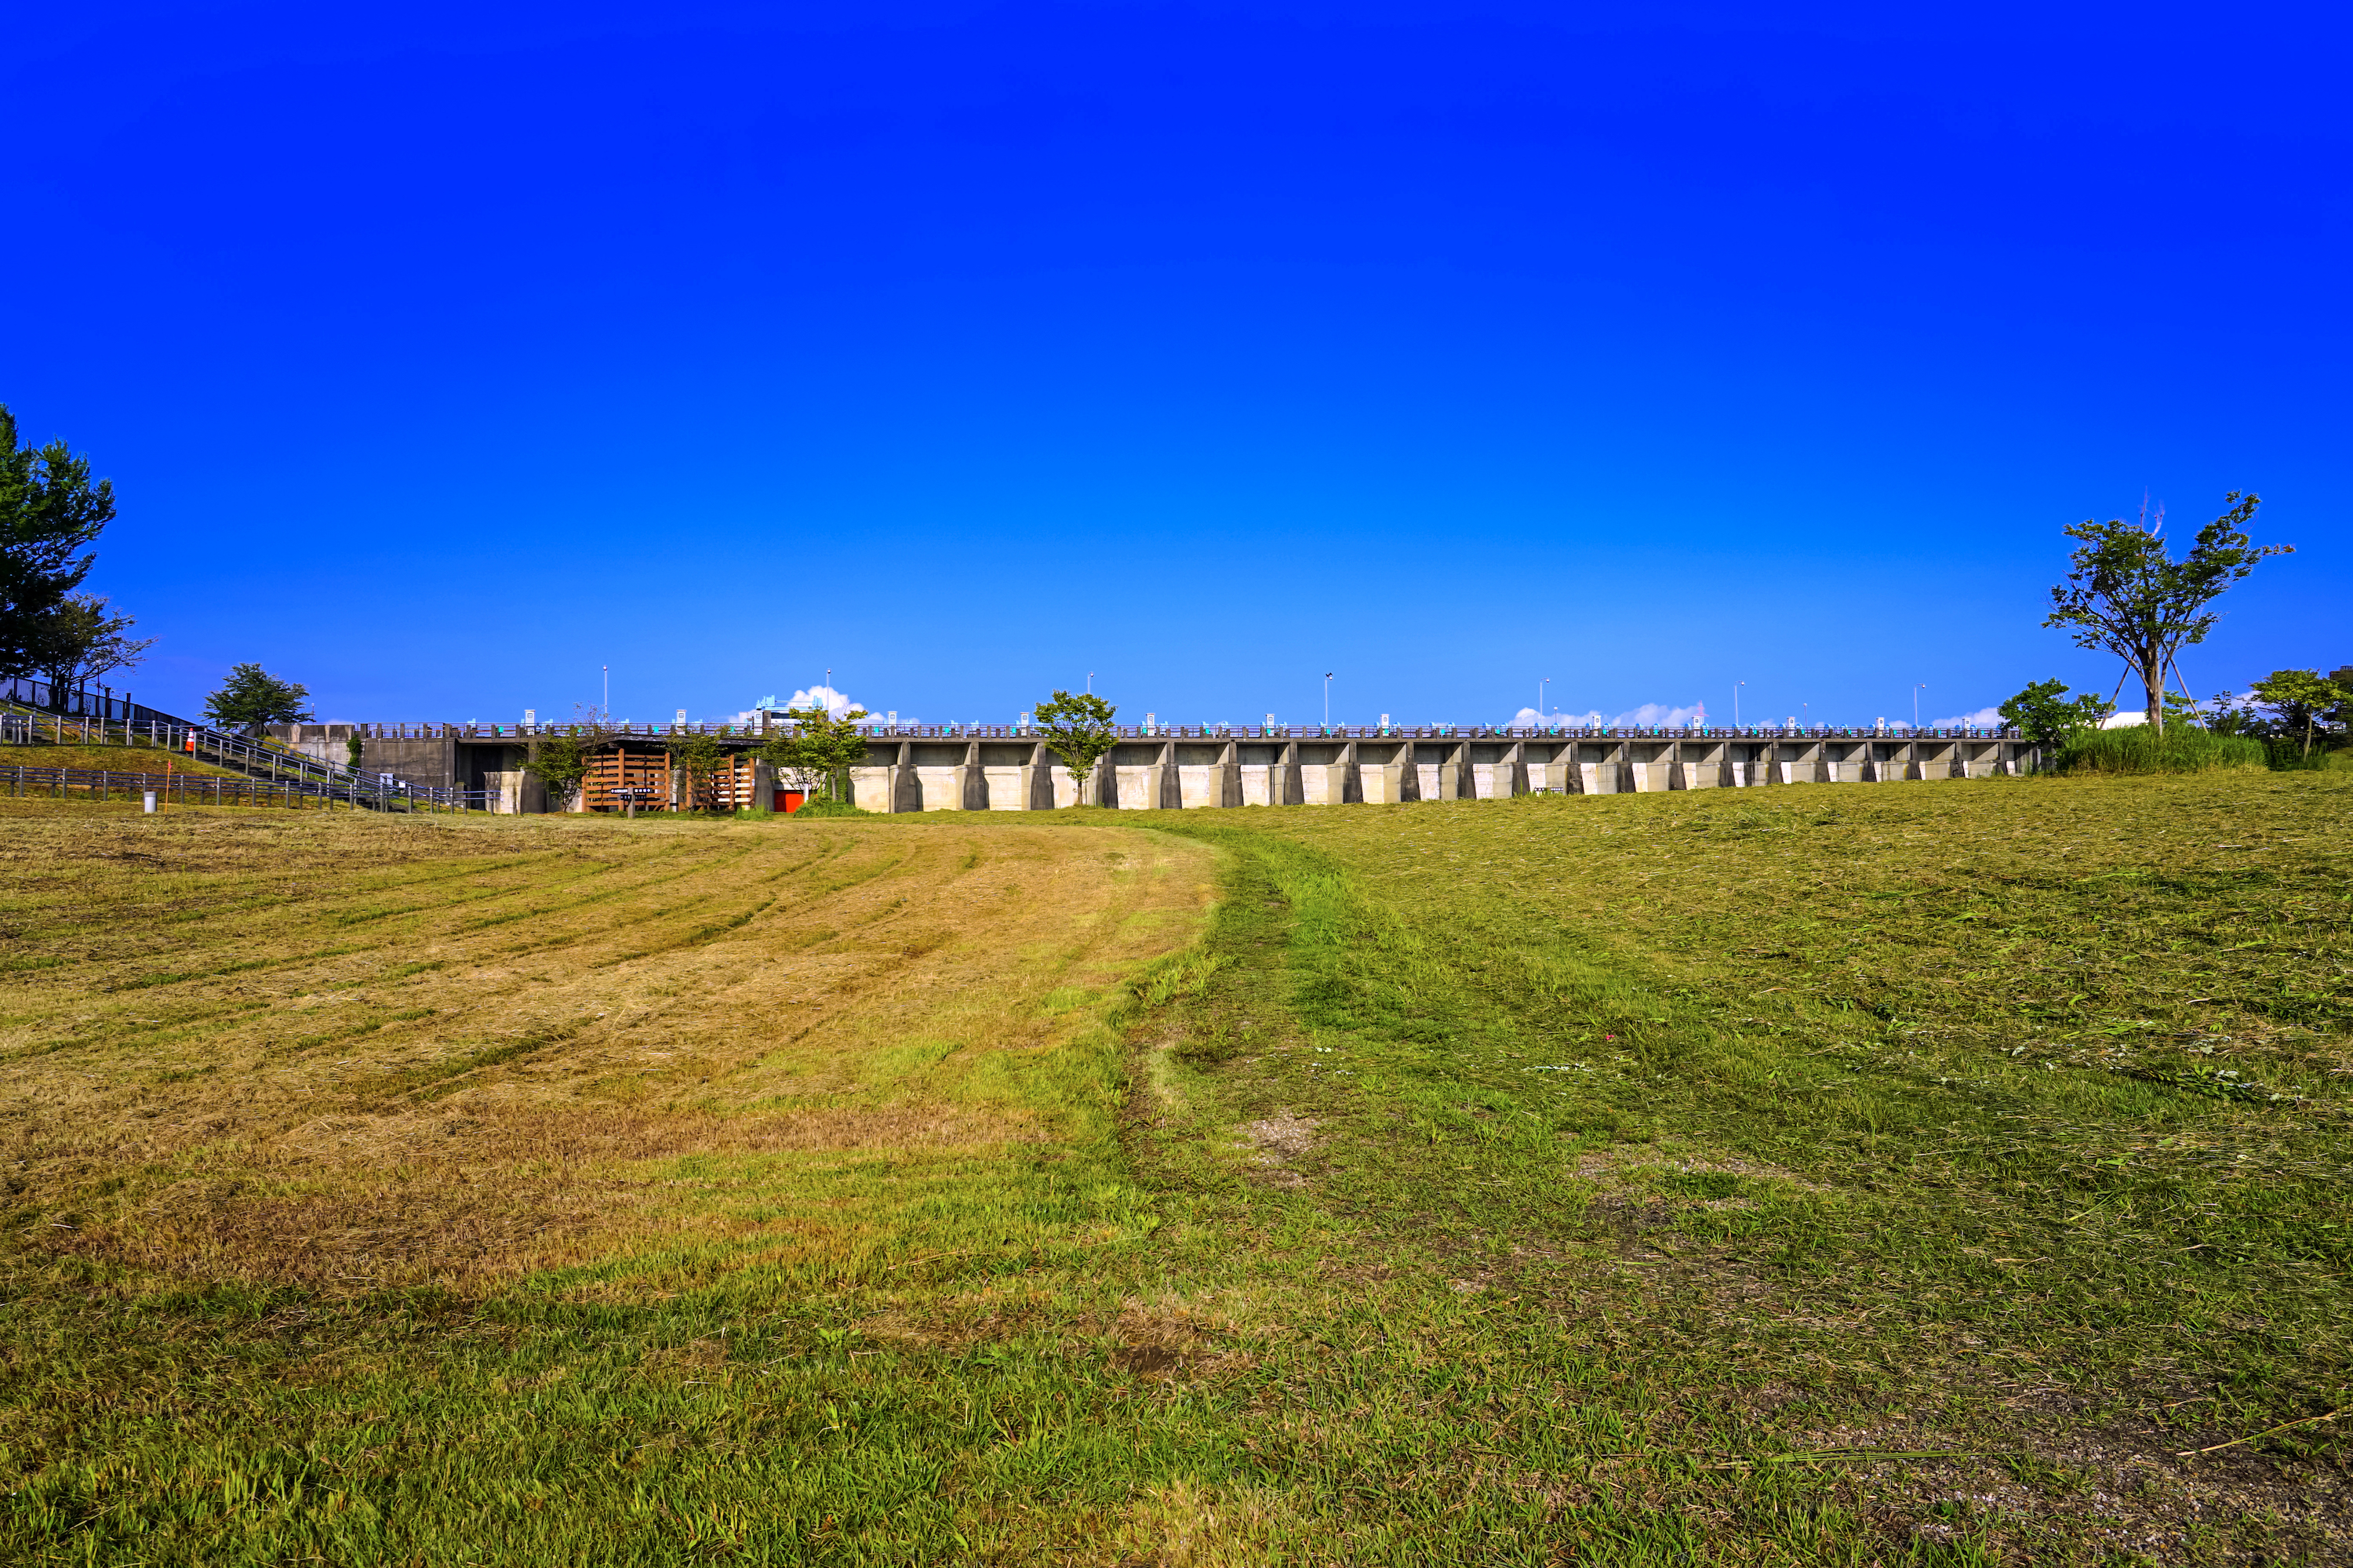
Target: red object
793	799
192	742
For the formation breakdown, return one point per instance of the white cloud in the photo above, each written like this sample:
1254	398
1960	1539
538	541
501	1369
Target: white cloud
826	697
1649	714
1984	718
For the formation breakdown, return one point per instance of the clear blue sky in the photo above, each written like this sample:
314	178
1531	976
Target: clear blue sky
443	354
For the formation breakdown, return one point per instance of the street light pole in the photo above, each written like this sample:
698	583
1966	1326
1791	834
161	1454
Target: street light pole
607	711
1540	699
1327	699
1916	703
1736	703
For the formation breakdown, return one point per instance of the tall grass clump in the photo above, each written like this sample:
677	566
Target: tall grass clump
2177	749
2289	755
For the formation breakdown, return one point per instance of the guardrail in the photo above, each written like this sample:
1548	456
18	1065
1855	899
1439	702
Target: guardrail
212	790
1448	732
123	715
749	734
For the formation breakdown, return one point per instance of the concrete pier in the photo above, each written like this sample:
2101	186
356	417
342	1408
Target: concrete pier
1334	768
968	767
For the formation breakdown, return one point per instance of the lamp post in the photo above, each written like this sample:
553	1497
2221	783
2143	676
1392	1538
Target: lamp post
1327	699
1540	700
1736	703
1091	683
605	711
1916	703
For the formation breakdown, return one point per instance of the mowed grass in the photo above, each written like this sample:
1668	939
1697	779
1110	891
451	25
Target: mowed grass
115	759
1823	1174
387	1188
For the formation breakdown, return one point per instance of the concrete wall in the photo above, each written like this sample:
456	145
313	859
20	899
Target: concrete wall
1194	773
418	761
1197	774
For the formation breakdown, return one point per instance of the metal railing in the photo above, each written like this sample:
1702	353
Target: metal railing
213	789
752	733
32	712
1452	732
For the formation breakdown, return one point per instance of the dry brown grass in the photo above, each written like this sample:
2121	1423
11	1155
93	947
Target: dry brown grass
354	1052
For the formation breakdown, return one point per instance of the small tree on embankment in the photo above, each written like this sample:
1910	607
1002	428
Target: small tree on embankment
1077	729
2045	714
700	758
818	750
252	697
2125	593
2301	698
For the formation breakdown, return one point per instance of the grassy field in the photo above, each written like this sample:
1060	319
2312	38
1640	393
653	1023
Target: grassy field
1842	1175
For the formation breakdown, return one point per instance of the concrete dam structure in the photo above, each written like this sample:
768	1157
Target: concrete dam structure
1190	771
1008	768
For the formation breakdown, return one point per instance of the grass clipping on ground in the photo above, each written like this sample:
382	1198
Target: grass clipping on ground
350	1054
1940	1174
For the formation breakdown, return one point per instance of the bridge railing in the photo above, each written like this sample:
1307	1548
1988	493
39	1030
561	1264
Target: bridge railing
1453	732
749	734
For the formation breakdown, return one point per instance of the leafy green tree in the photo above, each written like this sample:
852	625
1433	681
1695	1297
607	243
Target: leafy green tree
1078	730
560	762
49	512
2124	592
700	758
2230	716
355	747
2301	698
77	642
252	697
819	746
2045	714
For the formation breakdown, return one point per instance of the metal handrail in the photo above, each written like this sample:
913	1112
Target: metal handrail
188	788
134	722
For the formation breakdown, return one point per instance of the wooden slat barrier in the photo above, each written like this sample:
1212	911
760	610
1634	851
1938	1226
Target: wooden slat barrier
731	788
609	772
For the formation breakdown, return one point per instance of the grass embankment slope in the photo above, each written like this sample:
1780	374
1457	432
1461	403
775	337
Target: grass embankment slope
1824	1175
115	759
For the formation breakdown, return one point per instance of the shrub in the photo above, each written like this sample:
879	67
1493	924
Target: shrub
2177	749
818	806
